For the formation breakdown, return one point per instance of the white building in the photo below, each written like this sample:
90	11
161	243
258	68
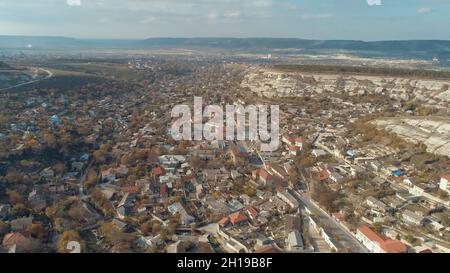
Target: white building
445	183
376	243
294	241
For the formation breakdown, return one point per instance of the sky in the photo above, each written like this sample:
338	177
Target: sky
310	19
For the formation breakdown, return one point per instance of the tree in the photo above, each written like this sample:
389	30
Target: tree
49	138
146	228
377	227
120	241
60	168
37	230
20	210
67	237
156	228
4	228
14	197
324	196
409	238
195	162
91	179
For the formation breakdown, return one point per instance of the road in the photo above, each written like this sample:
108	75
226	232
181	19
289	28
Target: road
346	239
49	75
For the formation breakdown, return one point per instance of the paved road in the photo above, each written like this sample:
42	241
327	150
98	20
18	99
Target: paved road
346	239
49	75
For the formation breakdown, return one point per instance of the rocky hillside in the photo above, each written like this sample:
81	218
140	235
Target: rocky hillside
273	83
434	132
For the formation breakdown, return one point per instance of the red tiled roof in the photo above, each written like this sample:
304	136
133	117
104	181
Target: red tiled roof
224	221
370	234
388	246
446	177
252	211
393	246
131	189
322	175
164	189
267	249
294	139
159	171
265	175
294	148
299	139
238	217
16	238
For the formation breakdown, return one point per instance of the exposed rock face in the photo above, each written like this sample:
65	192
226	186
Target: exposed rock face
433	132
270	83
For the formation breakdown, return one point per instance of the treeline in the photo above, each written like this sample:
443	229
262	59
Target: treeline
378	71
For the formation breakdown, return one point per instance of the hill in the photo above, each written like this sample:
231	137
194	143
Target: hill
4	66
412	48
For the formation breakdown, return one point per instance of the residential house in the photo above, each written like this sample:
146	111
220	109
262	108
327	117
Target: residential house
224	221
319	153
158	171
376	204
294	242
177	247
124	211
435	222
238	154
421	188
263	176
216	174
171	161
289	199
108	175
294	150
47	175
413	218
252	213
16	242
444	184
149	241
4	211
292	222
21	224
294	141
377	243
238	219
185	218
267	249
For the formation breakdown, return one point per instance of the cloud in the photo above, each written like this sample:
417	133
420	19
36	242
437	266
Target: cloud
374	2
424	10
308	16
262	3
212	15
232	14
73	3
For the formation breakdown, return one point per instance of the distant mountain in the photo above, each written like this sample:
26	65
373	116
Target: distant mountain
413	48
285	43
435	48
61	43
4	66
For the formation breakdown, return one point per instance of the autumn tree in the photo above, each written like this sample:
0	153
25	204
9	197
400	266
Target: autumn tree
70	236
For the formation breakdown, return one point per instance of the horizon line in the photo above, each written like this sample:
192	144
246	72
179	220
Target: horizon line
215	37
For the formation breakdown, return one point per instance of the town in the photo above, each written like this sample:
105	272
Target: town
87	156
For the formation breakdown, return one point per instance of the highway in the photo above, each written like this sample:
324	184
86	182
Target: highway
49	75
346	239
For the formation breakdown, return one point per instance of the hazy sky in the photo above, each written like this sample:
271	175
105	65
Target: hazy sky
315	19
